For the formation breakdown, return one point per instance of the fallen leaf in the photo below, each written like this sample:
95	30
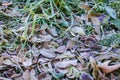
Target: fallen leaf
18	78
48	53
54	44
56	75
94	65
61	49
111	12
108	69
95	21
42	38
62	70
78	30
53	32
70	44
97	30
66	54
47	77
43	32
15	75
86	76
1	60
85	6
3	78
101	17
66	63
46	38
26	75
117	23
32	75
27	63
16	59
6	4
43	60
8	62
73	72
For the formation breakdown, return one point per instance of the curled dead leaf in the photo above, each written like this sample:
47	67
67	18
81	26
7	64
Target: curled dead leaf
108	69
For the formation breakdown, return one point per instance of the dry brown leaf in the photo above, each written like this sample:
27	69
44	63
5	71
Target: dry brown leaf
85	6
61	49
66	63
26	75
48	53
94	65
1	60
108	69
